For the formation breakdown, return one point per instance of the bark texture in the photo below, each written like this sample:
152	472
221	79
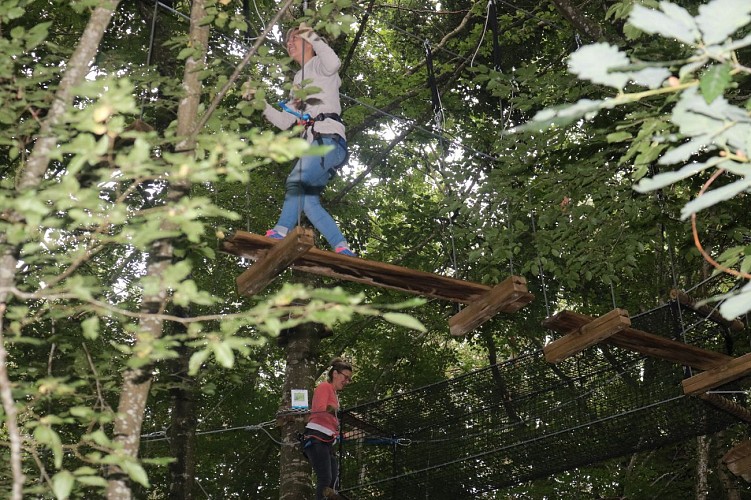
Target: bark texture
590	29
182	434
30	177
137	382
300	373
702	467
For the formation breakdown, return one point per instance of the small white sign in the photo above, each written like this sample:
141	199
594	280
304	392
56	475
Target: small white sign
300	399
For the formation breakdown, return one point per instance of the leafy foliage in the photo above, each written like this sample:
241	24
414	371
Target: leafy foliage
707	124
468	199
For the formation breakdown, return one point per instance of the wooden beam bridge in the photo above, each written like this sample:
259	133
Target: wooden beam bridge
297	251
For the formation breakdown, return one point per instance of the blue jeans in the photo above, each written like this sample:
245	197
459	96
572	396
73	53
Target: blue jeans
304	185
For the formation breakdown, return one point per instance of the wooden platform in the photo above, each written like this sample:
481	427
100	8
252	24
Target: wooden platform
571	323
738	460
296	251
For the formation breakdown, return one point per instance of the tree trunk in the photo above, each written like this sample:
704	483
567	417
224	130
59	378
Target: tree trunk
702	467
300	373
728	480
29	178
182	434
137	382
581	22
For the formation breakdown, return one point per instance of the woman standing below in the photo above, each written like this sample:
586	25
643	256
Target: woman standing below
322	429
319	65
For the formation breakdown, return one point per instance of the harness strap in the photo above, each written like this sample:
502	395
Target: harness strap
306	119
307	439
342	142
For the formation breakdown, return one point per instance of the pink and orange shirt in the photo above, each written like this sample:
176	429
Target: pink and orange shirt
321	420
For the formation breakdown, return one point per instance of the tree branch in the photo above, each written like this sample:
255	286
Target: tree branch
356	41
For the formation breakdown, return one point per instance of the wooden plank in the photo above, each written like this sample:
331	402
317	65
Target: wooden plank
705	381
380	274
509	296
586	335
739	451
644	343
566	321
738	460
656	346
275	260
684	299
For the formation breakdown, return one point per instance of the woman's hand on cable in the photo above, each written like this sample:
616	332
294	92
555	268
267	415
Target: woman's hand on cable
331	409
306	33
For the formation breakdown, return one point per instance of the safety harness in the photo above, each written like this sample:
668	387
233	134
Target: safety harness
308	121
308	438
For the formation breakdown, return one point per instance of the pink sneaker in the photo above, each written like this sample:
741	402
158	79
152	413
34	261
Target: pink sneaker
274	235
345	251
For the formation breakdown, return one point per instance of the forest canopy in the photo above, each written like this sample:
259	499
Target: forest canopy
598	150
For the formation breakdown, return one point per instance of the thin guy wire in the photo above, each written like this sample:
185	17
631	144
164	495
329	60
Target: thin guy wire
151	48
484	30
421	128
539	261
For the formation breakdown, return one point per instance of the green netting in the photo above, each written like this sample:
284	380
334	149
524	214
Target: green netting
527	419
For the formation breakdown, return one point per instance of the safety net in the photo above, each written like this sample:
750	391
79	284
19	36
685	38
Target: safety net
525	418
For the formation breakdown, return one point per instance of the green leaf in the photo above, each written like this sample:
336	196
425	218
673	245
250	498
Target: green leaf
92	481
82	411
563	115
652	78
619	137
715	196
674	22
37	34
100	438
664	179
197	359
594	62
719	19
404	320
224	354
714	82
62	484
90	327
15	12
737	304
46	435
136	472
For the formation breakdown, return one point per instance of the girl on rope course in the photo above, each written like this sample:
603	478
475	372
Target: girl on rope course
319	113
322	429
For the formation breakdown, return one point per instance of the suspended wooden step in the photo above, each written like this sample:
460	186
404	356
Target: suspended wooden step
296	251
731	370
738	460
578	338
608	330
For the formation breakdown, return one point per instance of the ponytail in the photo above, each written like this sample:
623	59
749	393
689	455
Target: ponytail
338	364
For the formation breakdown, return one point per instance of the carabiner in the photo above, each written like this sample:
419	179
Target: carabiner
304	117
